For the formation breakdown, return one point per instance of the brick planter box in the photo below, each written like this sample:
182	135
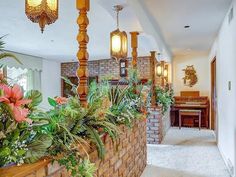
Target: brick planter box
157	125
126	158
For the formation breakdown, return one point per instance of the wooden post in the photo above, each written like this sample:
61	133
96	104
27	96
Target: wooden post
134	45
167	77
162	77
82	55
153	77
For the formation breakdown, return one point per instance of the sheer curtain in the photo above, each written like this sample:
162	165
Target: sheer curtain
28	79
33	80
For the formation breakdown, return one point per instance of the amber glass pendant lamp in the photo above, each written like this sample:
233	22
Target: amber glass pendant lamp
43	12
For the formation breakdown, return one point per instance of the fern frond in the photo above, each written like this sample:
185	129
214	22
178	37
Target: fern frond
93	134
5	55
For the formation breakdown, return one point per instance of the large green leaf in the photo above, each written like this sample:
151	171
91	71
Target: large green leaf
35	96
93	134
38	148
5	151
52	102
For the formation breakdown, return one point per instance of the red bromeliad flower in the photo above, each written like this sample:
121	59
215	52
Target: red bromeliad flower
13	97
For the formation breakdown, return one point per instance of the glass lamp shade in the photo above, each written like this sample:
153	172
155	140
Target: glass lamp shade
119	44
44	12
165	74
159	70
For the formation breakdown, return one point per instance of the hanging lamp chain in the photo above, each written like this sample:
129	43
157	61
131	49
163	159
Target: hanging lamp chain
118	8
117	19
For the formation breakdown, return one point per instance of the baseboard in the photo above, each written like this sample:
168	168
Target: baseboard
226	161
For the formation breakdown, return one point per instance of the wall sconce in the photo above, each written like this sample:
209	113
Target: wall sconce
162	70
165	73
159	70
118	39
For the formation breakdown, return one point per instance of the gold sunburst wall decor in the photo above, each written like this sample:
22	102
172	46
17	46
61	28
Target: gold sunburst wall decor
190	78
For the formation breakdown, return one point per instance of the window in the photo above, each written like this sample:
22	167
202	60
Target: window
18	76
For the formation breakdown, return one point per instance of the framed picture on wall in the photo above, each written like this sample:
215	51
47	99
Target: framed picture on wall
123	70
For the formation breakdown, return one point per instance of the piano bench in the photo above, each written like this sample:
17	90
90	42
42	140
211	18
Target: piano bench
188	112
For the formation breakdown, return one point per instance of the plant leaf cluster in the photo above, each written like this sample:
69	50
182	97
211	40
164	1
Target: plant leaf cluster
165	97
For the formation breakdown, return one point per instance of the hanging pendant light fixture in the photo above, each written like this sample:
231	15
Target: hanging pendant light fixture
118	40
44	12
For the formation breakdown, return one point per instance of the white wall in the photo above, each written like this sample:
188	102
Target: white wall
50	75
28	61
51	81
224	49
201	64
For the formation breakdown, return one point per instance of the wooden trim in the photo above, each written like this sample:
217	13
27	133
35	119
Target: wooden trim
190	93
82	55
134	45
23	170
213	90
153	77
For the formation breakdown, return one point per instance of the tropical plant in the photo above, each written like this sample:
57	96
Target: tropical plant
6	54
20	141
164	97
122	112
62	133
71	125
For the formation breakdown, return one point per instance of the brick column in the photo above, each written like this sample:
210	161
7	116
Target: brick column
154	126
157	125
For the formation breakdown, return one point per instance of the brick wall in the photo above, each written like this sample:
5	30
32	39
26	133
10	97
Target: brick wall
126	158
69	69
166	123
157	125
107	67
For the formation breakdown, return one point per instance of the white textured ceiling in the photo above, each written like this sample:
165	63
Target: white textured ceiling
59	39
203	16
159	21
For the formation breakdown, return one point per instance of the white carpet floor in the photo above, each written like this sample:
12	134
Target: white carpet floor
186	153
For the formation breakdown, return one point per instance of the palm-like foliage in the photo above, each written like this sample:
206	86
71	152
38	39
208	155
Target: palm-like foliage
6	54
122	112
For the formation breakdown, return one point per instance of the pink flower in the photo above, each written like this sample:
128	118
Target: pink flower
61	100
13	97
21	114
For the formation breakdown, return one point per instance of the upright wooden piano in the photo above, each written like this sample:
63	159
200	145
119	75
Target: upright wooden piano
190	100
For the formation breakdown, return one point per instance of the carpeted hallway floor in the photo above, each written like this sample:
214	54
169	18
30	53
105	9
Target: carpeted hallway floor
186	153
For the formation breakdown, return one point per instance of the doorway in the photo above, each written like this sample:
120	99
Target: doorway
214	121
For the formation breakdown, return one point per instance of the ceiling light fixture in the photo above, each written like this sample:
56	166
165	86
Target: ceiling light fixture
118	39
44	12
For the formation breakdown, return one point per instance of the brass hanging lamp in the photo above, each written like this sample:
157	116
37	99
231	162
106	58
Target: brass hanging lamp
118	40
44	12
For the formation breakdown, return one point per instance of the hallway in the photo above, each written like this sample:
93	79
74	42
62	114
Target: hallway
186	153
